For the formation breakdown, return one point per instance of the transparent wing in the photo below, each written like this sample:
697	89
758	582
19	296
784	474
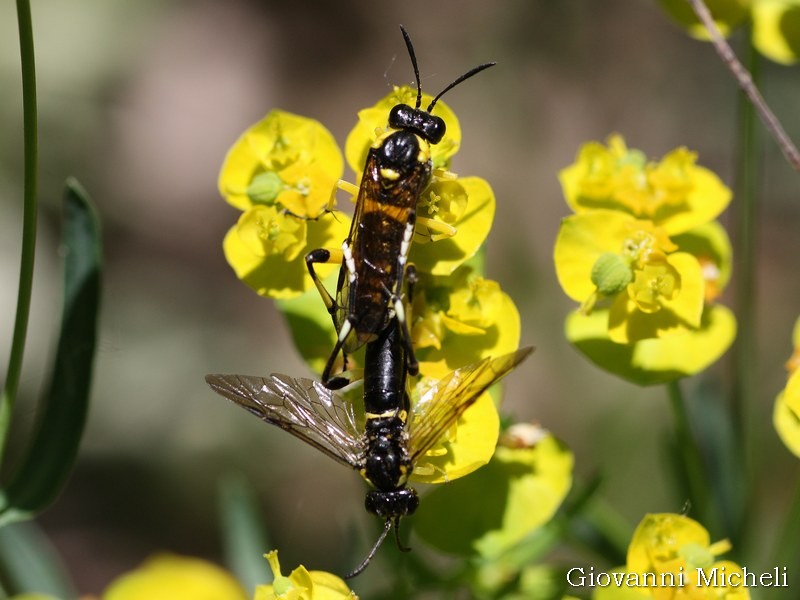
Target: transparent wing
303	407
441	406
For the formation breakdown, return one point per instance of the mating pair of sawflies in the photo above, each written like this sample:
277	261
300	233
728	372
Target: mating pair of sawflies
369	309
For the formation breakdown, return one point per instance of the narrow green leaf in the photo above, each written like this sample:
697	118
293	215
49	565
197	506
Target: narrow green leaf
46	467
29	563
243	536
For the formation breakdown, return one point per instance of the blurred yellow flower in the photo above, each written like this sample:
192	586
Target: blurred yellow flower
727	15
671	557
171	577
776	29
775	23
302	584
786	415
675	193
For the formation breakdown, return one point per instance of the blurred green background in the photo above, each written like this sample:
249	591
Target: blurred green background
141	99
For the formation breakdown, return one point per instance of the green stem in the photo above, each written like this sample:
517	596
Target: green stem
788	548
9	393
690	454
745	351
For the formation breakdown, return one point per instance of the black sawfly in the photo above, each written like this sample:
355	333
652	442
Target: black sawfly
395	436
374	256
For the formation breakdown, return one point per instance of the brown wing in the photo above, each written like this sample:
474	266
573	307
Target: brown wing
349	290
304	408
441	406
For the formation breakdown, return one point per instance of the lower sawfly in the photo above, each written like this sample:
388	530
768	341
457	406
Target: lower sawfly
395	436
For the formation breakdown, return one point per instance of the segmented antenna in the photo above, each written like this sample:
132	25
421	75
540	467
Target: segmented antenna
413	56
414	63
466	75
365	562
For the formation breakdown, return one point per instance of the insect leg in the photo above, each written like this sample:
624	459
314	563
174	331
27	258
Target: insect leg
412	364
345	186
338	382
435	230
323	256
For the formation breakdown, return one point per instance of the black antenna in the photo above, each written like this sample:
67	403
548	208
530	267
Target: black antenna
397	536
360	568
466	75
414	63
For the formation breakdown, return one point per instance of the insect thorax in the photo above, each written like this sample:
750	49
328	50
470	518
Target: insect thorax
400	154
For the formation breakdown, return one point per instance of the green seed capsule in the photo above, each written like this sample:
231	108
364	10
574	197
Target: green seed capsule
611	273
265	187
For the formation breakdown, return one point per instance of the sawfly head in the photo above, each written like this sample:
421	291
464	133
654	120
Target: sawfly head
416	120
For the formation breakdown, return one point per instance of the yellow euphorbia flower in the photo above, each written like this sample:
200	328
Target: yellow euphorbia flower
468	205
467	446
654	360
461	319
266	230
170	577
652	289
786	416
534	479
675	194
775	23
283	159
456	321
302	584
671	557
267	249
282	173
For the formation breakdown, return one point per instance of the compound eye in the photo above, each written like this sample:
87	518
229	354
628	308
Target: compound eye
434	129
401	116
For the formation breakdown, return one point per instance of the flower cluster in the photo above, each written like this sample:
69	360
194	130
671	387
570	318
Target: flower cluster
283	173
786	415
775	31
646	260
670	557
457	316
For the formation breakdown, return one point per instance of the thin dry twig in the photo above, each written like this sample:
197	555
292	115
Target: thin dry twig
745	80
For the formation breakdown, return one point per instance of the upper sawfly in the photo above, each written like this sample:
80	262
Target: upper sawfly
374	257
